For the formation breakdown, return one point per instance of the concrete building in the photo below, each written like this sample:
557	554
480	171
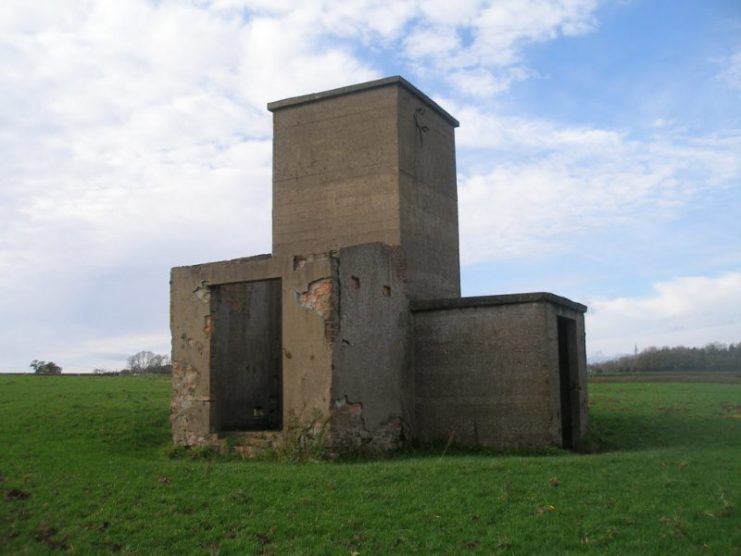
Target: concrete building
354	325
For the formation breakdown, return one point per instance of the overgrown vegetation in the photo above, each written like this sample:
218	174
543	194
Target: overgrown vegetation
84	469
303	441
712	357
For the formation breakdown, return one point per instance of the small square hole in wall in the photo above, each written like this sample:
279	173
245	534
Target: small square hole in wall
355	282
387	291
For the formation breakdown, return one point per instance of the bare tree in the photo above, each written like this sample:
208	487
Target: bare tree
148	362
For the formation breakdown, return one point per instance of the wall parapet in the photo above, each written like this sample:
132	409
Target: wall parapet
491	300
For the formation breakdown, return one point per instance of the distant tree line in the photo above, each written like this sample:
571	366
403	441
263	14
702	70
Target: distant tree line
146	362
142	363
45	367
712	357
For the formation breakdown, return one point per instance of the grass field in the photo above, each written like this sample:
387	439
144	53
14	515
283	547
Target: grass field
85	468
730	377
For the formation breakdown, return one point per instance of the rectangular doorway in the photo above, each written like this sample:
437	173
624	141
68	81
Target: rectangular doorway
246	358
569	382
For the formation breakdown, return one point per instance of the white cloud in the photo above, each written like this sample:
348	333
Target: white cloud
444	12
480	82
489	60
134	137
431	41
731	75
124	121
543	186
691	311
482	129
503	25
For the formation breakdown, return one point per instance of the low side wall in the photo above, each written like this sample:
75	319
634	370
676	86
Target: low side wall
487	370
326	338
200	324
192	324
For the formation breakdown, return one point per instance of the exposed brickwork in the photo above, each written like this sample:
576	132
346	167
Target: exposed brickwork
321	297
349	431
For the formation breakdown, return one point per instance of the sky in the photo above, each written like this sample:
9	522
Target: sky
599	154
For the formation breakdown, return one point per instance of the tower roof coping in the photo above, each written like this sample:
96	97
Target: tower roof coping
360	87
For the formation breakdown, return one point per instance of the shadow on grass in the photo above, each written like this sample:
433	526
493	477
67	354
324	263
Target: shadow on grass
608	432
625	432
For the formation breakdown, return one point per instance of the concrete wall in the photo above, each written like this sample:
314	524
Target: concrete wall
191	325
373	381
344	346
310	316
373	162
477	370
199	324
487	370
335	173
428	199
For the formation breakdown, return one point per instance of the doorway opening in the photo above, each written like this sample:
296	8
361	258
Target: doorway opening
246	358
569	380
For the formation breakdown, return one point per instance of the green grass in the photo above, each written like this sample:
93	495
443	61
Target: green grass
732	377
84	469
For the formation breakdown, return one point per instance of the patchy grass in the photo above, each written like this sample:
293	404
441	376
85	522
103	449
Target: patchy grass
85	468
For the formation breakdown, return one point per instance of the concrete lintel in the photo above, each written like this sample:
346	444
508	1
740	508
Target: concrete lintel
226	261
360	87
489	300
244	269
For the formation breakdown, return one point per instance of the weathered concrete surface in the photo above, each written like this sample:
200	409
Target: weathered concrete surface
370	163
191	324
372	380
199	330
344	348
428	199
487	370
310	313
335	168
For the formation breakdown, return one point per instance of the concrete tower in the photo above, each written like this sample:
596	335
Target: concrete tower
373	162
